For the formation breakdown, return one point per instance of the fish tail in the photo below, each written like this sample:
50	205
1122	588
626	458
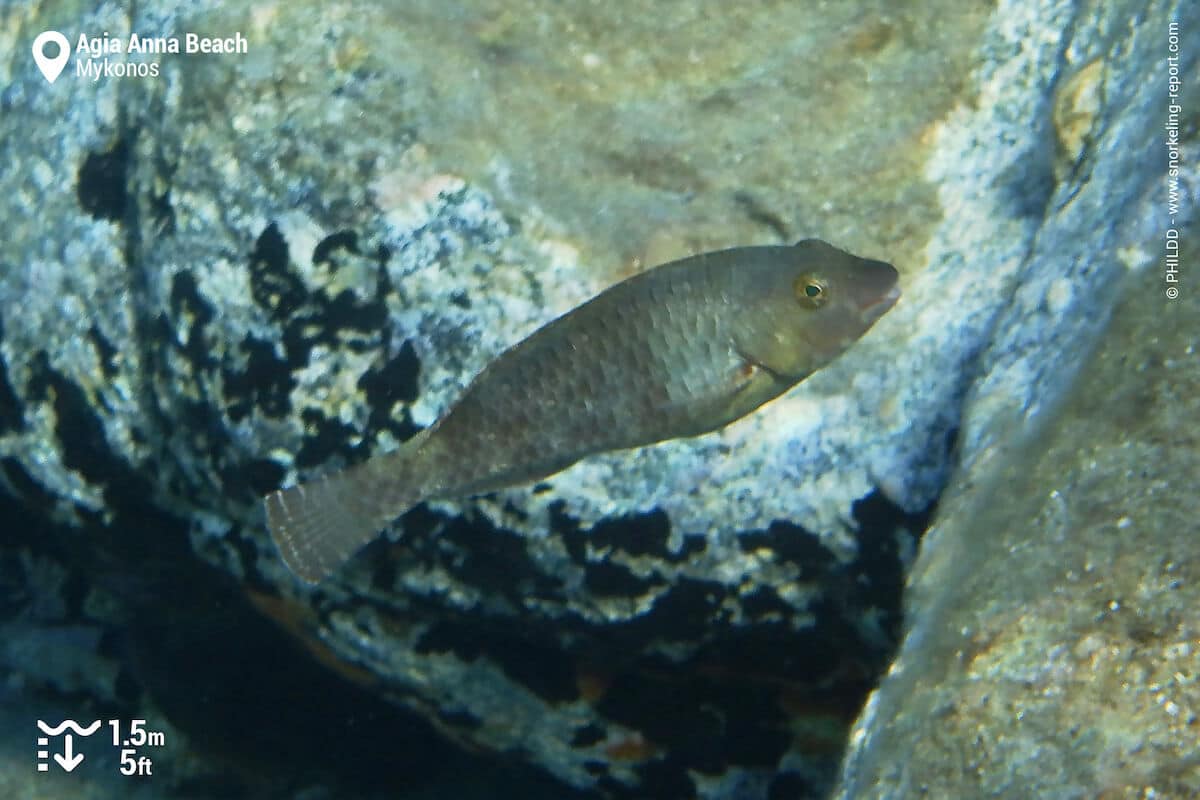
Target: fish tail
319	525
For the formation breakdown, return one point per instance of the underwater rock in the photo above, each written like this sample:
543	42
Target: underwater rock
249	271
1055	644
1052	640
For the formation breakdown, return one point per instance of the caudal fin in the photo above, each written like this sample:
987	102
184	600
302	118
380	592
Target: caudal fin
319	525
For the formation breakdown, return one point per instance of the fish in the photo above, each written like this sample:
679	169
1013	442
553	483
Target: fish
679	350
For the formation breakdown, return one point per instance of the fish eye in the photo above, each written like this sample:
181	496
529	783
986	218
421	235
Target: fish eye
810	290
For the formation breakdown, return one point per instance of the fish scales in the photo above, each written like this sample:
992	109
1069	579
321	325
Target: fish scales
628	366
678	350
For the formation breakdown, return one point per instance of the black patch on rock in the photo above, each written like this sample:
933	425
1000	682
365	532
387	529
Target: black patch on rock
543	669
511	510
100	184
878	574
162	211
595	768
488	558
609	579
265	384
185	301
82	442
345	312
263	475
203	427
314	318
383	575
273	283
686	612
342	240
566	528
105	352
765	602
308	318
693	544
10	404
459	298
636	534
792	543
394	382
331	437
588	735
300	334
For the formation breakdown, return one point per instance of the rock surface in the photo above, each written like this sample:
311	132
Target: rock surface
1055	645
271	265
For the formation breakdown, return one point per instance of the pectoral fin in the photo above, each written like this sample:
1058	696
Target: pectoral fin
756	384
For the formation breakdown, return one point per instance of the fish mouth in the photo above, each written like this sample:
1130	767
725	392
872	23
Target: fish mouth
876	288
872	310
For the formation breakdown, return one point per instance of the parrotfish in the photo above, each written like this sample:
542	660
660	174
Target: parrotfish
679	350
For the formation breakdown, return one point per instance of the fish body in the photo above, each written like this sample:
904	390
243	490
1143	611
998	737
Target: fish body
679	350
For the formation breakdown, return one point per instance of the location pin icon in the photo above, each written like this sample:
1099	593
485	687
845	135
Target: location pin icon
51	67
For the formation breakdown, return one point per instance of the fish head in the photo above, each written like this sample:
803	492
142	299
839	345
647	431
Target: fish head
813	302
